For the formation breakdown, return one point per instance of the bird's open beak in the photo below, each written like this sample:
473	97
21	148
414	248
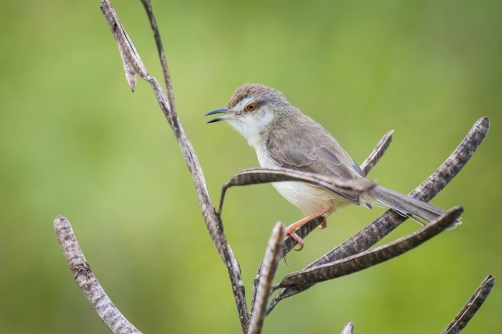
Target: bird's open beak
230	115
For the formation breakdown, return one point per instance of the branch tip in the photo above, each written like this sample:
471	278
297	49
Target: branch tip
349	328
270	262
471	307
377	153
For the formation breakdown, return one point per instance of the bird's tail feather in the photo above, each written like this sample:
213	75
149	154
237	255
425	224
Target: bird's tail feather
408	206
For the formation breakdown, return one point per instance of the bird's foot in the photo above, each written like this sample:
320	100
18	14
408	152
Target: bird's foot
290	230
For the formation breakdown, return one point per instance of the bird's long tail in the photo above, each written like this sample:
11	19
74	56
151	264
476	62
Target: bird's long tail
408	206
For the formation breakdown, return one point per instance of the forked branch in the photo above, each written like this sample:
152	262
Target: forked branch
131	59
349	257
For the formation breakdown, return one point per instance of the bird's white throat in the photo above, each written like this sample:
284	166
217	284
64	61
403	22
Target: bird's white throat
253	127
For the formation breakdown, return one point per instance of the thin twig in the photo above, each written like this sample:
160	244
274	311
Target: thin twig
386	223
304	230
87	282
371	258
162	54
267	175
377	153
469	310
270	264
349	328
213	222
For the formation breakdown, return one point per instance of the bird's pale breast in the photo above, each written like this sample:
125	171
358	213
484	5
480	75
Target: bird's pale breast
307	197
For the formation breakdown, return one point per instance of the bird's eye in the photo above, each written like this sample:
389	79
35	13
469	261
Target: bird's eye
251	107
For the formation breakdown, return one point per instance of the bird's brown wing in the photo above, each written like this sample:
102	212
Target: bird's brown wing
306	146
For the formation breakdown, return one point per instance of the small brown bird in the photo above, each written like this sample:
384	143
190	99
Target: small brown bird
284	137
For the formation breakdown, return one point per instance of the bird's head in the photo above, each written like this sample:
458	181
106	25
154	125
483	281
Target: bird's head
253	109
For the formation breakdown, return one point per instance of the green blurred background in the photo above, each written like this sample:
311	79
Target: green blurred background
75	141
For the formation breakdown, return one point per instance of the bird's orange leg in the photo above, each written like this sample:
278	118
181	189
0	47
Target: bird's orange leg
290	230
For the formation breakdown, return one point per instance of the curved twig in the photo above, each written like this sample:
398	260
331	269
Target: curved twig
386	223
469	310
87	282
371	258
377	153
212	221
271	261
267	175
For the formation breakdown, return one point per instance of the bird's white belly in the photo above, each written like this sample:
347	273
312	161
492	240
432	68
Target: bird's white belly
307	197
301	194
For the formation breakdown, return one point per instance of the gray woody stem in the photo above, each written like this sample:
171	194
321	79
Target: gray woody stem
472	306
131	60
386	223
86	281
371	258
271	261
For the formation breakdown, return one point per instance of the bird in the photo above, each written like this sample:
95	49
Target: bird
284	137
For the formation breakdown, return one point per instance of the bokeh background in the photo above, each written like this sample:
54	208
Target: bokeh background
75	141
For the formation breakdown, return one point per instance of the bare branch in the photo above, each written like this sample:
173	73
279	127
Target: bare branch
132	65
270	263
469	310
267	175
349	328
386	223
377	153
213	222
162	55
371	258
87	282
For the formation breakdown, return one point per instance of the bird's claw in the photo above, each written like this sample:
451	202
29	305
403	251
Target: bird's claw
300	241
324	223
